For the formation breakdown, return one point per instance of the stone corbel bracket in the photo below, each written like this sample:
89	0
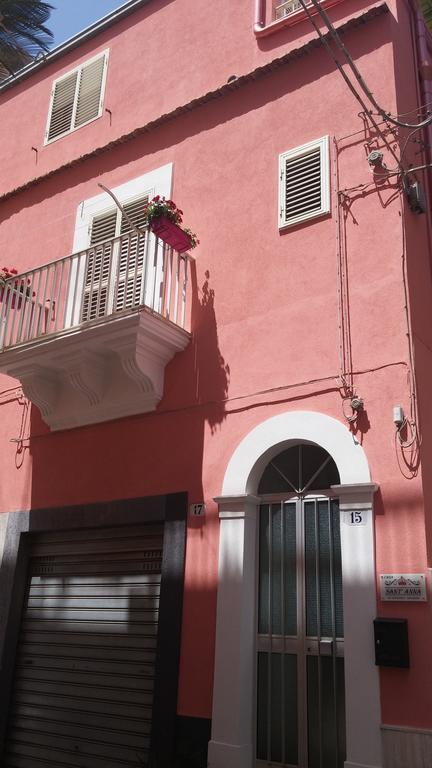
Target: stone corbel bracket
144	355
97	373
85	371
40	386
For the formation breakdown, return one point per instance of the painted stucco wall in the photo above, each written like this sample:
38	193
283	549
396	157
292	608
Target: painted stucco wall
265	303
144	81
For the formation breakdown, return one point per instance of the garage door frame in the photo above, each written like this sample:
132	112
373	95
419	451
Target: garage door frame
170	509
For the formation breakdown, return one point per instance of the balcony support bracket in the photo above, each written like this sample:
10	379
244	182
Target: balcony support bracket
95	373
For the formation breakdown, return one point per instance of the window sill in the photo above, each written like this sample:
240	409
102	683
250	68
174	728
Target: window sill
263	30
300	220
48	142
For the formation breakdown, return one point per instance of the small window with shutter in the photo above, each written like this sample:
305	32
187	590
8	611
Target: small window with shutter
304	191
77	98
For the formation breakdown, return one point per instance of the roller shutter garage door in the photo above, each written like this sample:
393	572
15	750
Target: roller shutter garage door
85	663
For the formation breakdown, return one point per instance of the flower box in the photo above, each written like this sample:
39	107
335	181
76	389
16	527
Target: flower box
16	293
19	288
171	234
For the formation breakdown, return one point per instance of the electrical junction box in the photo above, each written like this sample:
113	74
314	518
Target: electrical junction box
391	643
398	415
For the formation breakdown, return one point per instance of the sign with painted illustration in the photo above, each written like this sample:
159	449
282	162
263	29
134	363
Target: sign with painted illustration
403	586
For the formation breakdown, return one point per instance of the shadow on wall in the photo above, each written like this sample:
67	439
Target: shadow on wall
149	453
211	370
152	454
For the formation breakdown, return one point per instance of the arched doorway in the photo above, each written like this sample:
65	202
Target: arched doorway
300	638
234	724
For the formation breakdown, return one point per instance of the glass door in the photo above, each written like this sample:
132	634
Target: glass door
300	673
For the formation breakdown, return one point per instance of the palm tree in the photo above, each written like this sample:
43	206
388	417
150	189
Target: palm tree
426	6
22	33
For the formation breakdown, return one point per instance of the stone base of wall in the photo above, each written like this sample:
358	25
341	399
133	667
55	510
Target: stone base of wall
406	747
192	737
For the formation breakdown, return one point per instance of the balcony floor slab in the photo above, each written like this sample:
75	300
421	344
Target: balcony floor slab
97	372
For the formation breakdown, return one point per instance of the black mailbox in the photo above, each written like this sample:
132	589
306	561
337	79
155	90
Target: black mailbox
391	642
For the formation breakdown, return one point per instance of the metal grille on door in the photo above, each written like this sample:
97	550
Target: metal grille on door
85	664
300	712
300	670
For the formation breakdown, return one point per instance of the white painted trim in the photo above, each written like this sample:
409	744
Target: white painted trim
406	747
156	182
77	69
323	144
233	716
356	490
349	764
362	692
271	437
234	684
407	729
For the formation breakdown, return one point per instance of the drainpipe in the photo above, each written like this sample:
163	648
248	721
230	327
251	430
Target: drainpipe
259	16
424	59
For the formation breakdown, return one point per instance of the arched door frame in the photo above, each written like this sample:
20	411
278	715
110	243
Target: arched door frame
233	721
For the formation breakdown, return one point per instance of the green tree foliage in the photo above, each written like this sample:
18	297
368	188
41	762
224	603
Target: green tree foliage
426	6
23	33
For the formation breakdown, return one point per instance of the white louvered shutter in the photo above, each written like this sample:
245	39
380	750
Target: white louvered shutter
285	9
132	257
304	187
99	266
89	91
62	106
77	98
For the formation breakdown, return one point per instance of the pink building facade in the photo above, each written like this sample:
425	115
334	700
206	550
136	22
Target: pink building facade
216	528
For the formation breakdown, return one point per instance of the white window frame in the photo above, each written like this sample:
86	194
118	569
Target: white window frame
156	182
77	69
323	145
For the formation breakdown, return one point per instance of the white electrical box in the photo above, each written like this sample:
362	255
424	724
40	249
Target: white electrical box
398	415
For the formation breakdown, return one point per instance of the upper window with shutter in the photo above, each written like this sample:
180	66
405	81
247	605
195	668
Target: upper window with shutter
119	270
304	191
77	98
114	272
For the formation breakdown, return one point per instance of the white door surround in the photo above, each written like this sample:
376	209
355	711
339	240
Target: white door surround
233	723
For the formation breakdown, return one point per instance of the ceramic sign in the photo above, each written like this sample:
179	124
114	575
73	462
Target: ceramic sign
403	587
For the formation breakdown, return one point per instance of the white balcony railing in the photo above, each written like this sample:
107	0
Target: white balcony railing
291	6
116	276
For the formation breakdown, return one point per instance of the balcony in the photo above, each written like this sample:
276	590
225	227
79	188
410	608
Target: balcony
89	335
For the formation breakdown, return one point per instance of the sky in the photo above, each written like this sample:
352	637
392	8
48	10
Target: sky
72	16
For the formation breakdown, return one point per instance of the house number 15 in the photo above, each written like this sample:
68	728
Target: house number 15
356	517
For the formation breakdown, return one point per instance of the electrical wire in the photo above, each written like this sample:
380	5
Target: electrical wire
357	74
412	379
272	390
414	436
385	122
350	417
355	93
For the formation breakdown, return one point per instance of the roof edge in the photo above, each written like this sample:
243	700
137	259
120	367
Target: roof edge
43	59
